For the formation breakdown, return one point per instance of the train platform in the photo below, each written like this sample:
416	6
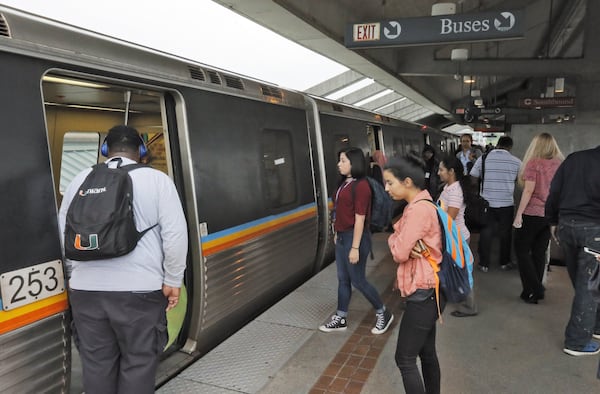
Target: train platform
510	347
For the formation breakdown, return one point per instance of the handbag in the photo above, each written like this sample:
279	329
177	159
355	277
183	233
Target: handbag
476	212
594	283
477	207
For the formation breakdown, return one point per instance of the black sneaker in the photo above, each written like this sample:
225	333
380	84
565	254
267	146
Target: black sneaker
337	323
383	322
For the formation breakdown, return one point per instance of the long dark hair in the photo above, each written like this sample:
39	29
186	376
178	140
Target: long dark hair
453	163
357	160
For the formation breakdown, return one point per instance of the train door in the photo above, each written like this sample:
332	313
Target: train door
375	139
81	109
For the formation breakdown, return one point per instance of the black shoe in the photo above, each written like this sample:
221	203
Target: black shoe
462	314
524	295
384	320
337	323
530	299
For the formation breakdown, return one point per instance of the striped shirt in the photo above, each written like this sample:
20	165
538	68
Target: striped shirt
452	197
501	170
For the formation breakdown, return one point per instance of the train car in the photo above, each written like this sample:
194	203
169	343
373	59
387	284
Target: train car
342	126
254	165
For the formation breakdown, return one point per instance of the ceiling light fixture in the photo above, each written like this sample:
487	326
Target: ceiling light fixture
73	82
559	85
469	79
443	9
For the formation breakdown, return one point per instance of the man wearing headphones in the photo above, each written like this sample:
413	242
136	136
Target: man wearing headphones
119	304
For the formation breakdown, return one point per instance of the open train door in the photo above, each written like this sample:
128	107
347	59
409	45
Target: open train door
79	110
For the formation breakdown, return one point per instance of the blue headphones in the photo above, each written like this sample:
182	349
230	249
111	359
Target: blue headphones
143	149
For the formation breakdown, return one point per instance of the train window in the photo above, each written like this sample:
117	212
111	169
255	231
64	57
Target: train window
80	150
412	146
398	147
278	164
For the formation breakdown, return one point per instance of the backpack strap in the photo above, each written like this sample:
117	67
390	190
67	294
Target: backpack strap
434	265
482	172
128	168
368	215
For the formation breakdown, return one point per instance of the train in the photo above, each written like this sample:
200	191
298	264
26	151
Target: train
254	165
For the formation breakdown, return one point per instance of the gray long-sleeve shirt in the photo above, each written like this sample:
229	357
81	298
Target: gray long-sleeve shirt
160	255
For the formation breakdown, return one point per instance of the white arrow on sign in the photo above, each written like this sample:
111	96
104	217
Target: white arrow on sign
393	31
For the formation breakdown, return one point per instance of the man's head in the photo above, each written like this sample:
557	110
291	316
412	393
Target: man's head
124	141
465	141
505	143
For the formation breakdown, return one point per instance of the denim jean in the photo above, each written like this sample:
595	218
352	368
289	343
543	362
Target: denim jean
416	338
499	222
354	274
584	319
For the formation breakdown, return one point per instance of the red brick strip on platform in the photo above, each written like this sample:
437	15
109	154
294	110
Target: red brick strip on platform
350	368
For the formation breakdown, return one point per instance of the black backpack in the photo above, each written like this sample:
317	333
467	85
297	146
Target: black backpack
380	216
100	223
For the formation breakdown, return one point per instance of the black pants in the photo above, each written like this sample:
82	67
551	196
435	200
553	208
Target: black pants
499	222
416	337
531	243
120	336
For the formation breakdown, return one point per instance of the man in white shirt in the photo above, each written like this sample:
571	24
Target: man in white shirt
119	304
501	170
467	155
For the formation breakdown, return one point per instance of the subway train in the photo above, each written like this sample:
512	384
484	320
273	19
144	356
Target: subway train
254	165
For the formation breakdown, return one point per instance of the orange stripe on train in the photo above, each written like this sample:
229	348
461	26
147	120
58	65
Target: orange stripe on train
33	316
242	238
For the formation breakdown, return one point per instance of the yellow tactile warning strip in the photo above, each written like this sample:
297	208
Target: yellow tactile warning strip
352	365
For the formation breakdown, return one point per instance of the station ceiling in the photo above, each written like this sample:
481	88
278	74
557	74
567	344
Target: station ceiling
548	74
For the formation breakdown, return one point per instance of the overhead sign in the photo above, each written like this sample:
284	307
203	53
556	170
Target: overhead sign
550	102
486	26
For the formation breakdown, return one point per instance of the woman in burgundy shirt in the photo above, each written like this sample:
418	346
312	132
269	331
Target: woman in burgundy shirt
352	204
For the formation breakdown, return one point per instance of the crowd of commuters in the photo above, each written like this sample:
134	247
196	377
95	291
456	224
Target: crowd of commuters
559	199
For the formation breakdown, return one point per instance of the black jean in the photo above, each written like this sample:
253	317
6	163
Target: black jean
531	243
416	337
499	221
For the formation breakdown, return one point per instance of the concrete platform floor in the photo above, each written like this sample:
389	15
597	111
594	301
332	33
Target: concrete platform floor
510	347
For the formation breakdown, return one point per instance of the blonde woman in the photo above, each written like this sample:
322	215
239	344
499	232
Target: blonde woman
532	234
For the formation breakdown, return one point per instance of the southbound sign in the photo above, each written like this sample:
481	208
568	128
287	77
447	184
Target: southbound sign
486	26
